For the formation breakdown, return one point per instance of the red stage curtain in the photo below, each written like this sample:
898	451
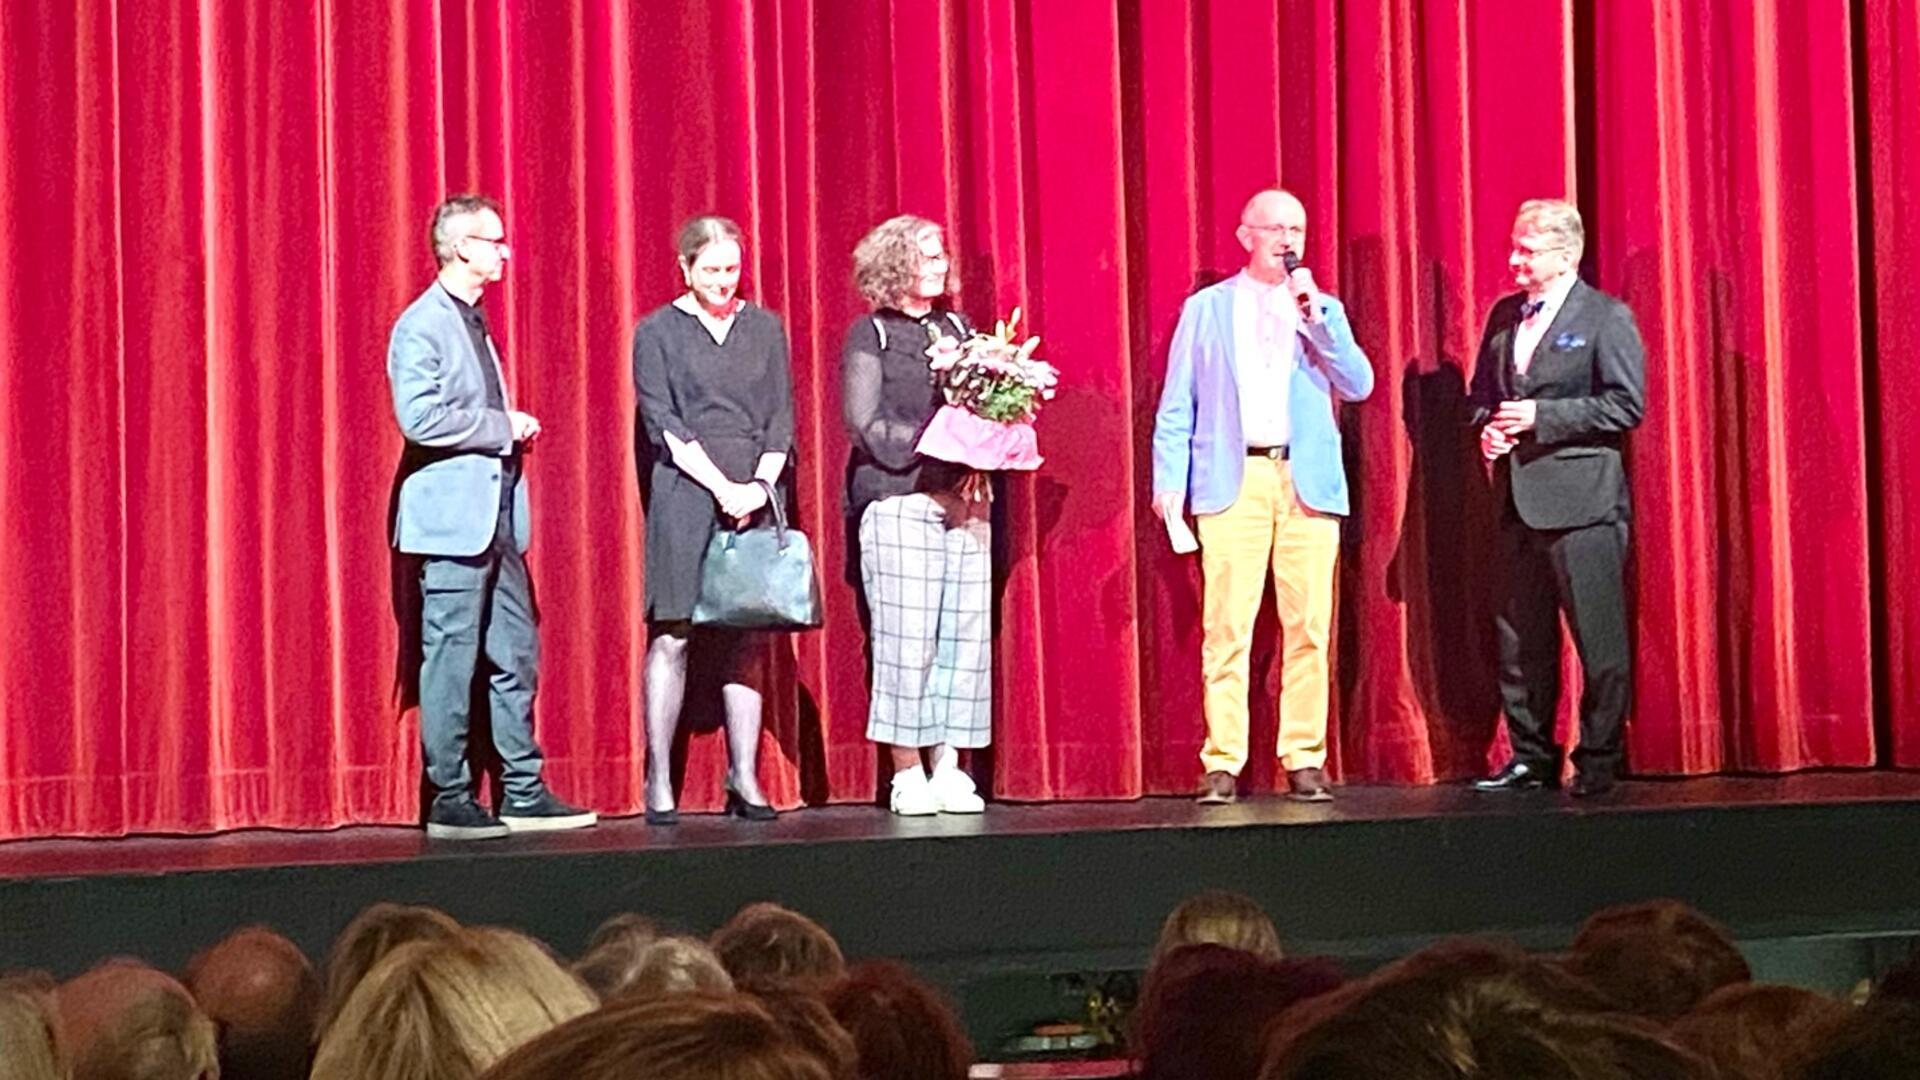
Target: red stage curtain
211	213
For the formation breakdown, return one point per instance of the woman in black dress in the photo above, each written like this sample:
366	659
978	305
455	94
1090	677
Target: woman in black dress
716	405
923	528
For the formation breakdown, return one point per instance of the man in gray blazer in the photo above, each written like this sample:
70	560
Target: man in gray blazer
462	508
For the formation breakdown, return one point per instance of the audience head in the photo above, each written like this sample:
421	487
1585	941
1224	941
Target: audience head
1219	917
1750	1031
676	965
608	963
1658	959
263	998
902	261
1878	1041
1463	1010
30	1046
902	1029
765	942
684	1037
803	1014
1205	1009
125	1021
367	940
448	1009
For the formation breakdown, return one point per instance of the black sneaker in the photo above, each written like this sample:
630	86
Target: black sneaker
463	819
544	813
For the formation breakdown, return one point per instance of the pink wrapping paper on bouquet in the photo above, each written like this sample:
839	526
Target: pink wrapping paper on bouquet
965	438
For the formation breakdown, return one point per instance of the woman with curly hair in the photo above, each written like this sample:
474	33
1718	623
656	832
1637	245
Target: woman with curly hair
921	525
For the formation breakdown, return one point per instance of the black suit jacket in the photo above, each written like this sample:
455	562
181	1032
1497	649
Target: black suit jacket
1589	376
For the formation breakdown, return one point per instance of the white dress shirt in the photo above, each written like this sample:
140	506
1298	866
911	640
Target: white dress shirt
1526	337
1265	321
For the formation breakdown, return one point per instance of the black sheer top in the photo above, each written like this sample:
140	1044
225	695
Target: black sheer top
887	397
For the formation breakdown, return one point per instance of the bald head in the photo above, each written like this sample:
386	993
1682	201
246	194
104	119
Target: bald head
256	980
1272	205
1272	223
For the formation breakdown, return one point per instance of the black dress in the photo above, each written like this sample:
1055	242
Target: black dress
734	399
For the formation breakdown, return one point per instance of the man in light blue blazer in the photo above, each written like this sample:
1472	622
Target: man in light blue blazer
462	508
1245	438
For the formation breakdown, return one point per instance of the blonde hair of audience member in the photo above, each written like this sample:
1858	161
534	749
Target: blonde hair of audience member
1219	917
446	1010
684	1037
367	940
29	1031
608	963
124	1020
676	965
766	941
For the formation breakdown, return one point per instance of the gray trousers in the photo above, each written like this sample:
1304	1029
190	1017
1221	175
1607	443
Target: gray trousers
470	606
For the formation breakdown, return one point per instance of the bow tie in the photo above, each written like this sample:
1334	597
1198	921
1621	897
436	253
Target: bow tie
1530	308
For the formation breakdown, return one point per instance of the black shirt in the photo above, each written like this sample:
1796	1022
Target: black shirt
888	394
476	321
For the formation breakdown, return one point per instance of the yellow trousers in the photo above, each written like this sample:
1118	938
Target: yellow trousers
1267	526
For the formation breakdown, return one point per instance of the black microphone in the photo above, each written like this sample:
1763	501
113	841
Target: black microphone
1291	259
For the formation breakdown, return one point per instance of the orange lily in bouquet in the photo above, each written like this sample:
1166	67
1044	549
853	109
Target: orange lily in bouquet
994	387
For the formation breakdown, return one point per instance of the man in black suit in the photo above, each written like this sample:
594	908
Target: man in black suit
1560	380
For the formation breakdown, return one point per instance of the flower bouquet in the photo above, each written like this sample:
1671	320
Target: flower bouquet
993	388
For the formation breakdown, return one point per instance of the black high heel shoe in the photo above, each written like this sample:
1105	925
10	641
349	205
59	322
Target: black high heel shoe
669	816
738	806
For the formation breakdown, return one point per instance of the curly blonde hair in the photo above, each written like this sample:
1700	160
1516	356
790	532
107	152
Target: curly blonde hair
886	261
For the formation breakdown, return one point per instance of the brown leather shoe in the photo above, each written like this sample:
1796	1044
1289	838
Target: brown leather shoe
1308	785
1217	789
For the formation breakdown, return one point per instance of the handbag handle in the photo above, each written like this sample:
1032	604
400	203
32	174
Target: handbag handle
779	515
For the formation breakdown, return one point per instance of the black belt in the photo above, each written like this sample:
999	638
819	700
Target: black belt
1276	453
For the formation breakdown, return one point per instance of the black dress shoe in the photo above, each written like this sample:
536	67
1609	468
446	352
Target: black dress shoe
738	806
1587	785
669	816
1518	776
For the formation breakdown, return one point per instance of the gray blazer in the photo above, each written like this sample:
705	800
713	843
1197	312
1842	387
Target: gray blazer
449	498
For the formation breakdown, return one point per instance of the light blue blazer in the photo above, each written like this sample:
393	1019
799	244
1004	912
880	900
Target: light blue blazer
1198	448
449	500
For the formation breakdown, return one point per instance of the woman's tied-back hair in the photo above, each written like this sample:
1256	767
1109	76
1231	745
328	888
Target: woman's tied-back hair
703	232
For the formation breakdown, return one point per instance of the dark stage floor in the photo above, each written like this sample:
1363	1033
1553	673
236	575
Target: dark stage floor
1048	887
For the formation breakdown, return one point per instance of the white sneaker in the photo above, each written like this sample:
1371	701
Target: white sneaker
912	795
955	792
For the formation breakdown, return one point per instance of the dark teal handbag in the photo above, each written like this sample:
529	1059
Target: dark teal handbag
759	578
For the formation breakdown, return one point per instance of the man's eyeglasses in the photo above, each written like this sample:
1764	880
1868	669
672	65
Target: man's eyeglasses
1276	228
505	249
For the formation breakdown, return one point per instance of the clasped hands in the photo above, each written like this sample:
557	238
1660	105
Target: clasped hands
741	501
1502	433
